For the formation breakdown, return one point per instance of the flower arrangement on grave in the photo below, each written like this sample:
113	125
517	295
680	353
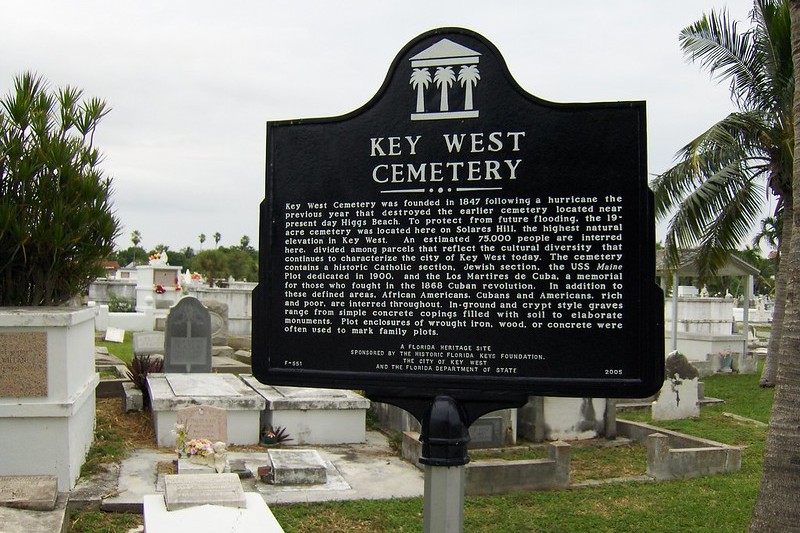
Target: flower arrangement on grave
160	289
725	362
201	451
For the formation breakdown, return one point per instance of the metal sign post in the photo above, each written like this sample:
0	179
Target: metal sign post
444	440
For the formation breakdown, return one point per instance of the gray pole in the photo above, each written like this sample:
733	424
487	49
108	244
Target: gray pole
675	280
444	499
444	440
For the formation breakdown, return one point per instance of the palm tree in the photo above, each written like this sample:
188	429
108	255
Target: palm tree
420	79
217	237
202	238
717	187
136	238
468	76
244	242
444	79
776	507
770	232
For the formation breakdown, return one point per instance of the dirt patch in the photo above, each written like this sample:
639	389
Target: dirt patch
136	428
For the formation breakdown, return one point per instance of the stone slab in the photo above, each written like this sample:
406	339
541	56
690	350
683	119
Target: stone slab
115	335
185	466
297	467
306	397
207	386
38	493
226	365
148	342
27	521
182	492
244	356
107	360
254	517
23	357
204	422
195	385
221	351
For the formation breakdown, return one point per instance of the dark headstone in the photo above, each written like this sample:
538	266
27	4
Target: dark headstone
678	366
188	338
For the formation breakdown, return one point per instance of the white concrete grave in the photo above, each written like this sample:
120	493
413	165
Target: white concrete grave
169	393
313	416
47	391
255	517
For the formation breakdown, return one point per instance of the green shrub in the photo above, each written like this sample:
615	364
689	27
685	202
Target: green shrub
121	305
56	221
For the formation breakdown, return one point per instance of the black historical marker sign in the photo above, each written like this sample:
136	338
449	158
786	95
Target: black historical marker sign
459	235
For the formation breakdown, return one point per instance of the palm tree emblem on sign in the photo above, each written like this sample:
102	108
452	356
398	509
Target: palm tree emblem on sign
444	79
468	76
445	56
420	80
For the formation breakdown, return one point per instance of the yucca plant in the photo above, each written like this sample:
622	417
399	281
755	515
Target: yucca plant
270	436
140	366
56	220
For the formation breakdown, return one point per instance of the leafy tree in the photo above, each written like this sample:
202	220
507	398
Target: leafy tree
717	187
245	242
180	259
213	264
134	254
161	248
241	264
776	507
56	218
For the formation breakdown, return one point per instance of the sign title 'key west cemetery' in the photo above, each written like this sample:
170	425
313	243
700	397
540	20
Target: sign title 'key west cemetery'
457	234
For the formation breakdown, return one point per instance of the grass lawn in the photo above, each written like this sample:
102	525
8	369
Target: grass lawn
123	350
720	503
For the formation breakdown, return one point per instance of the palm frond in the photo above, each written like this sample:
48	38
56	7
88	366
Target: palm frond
726	53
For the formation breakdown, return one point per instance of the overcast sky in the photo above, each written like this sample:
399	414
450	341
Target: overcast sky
192	83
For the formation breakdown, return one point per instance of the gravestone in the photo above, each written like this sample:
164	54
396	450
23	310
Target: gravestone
297	467
188	338
181	492
115	335
24	360
204	422
148	342
36	493
487	432
219	322
678	398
